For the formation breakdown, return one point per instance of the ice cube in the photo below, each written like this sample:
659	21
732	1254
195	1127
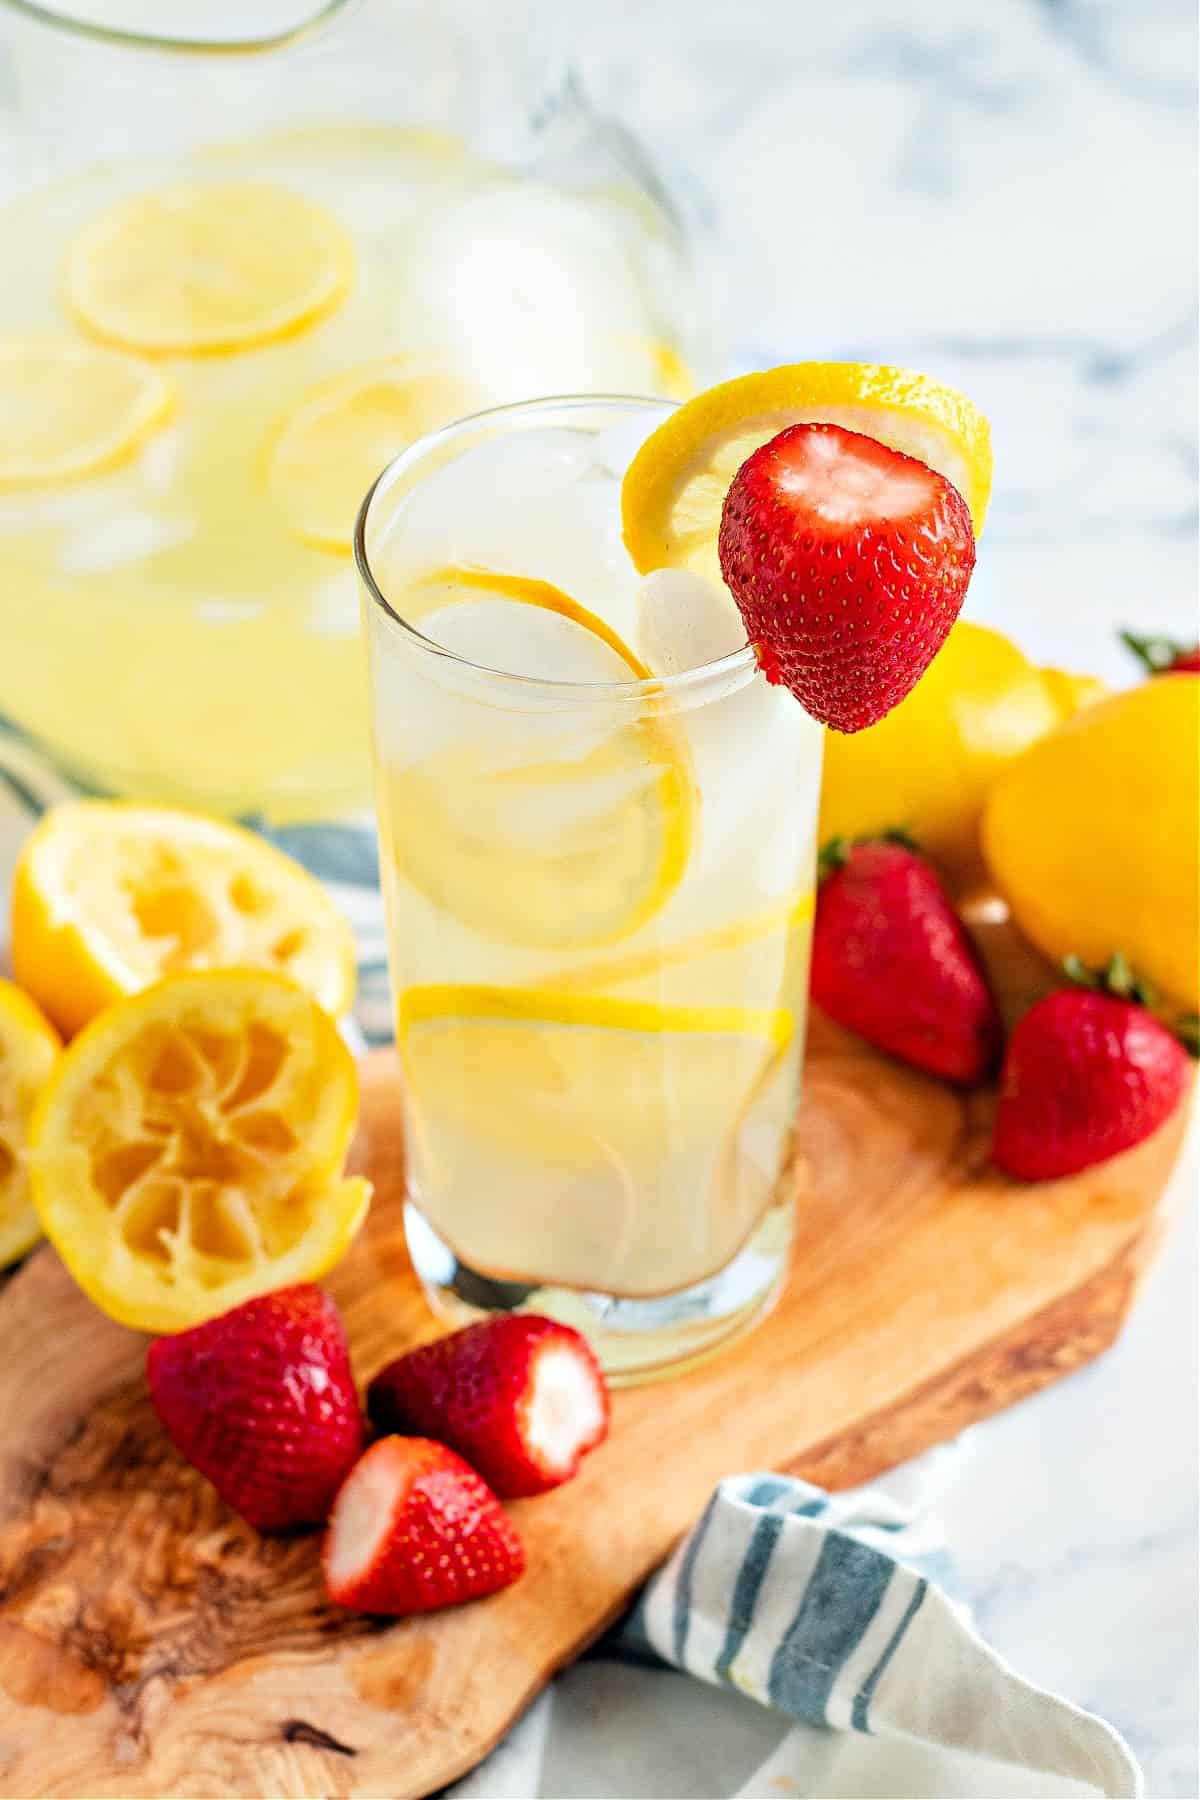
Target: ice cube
685	621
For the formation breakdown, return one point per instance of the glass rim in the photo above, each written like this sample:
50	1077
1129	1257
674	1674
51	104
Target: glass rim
129	38
686	682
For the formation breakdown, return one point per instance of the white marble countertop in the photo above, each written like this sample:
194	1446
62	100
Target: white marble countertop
1003	194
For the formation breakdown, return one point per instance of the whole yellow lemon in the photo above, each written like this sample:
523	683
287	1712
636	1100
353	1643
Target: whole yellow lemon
927	768
1093	835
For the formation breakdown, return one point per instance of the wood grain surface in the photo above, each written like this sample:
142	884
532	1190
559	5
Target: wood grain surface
151	1644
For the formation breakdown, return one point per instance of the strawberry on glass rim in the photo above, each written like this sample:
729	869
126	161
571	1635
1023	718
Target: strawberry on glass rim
841	502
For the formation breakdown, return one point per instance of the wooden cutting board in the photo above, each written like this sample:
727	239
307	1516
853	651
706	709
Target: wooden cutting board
151	1644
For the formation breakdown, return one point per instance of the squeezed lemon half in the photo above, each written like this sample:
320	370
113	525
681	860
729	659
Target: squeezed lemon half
28	1051
187	1151
109	896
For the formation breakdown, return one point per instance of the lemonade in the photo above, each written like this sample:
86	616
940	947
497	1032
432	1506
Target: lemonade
597	837
207	359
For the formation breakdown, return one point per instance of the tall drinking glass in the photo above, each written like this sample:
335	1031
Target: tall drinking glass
597	834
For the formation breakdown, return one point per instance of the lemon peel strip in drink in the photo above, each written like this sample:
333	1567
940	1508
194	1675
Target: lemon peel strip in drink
548	598
440	1001
786	916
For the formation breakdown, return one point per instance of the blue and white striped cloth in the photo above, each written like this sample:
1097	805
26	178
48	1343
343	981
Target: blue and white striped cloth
832	1612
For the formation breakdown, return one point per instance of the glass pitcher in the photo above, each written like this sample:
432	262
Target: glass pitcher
243	268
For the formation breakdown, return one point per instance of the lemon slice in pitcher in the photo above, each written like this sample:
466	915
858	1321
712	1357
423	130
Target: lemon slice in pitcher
578	834
675	487
187	1152
566	1134
193	270
331	448
68	410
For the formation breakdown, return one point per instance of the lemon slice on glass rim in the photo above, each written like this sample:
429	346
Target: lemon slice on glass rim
108	896
187	1151
675	487
203	269
580	843
28	1051
68	410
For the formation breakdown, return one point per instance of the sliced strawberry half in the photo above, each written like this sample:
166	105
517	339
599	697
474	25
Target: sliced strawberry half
414	1529
849	563
521	1397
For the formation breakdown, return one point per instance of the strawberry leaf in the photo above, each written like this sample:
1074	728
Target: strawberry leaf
833	856
1156	654
898	834
1117	977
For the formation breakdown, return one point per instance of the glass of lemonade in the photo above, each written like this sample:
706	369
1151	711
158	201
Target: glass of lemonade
598	841
245	282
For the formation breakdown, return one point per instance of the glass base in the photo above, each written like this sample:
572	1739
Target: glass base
635	1340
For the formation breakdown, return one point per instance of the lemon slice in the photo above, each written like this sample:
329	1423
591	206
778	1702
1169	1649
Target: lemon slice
659	961
593	1141
187	1151
28	1050
68	410
192	270
108	897
580	839
331	448
675	487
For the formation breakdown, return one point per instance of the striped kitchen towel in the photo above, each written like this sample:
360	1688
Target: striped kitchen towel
833	1609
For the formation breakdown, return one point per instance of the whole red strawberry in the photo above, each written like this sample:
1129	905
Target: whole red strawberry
413	1529
1087	1073
892	961
849	563
521	1397
261	1400
1163	656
